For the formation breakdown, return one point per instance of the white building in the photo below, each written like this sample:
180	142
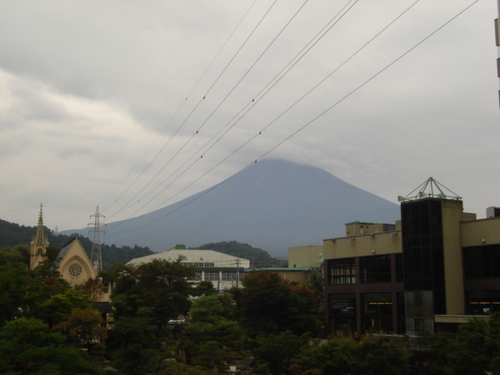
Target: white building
223	270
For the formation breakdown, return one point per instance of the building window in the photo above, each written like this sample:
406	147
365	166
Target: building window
482	262
75	270
342	271
198	264
399	268
377	312
342	312
483	302
211	275
229	276
196	276
375	269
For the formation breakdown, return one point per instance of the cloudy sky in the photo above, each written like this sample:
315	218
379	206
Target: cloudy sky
131	106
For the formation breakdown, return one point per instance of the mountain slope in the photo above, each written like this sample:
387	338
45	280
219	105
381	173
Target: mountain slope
272	205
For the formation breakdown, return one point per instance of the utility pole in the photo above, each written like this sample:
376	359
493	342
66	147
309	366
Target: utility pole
95	255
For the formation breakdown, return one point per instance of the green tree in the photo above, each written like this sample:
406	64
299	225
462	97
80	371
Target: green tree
381	356
334	357
14	281
342	355
26	347
204	288
158	290
278	350
58	307
473	350
213	318
130	339
270	304
210	355
15	254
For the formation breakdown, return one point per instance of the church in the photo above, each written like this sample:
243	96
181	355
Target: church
72	262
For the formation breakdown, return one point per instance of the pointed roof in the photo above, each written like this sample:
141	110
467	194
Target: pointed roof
39	239
430	189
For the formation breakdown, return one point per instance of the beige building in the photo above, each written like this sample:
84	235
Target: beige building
223	270
437	267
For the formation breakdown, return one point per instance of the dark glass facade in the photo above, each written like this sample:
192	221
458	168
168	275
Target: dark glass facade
482	262
376	269
423	257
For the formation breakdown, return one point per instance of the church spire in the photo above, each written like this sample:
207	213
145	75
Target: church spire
39	238
39	243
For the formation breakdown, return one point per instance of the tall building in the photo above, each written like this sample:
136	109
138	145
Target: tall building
434	269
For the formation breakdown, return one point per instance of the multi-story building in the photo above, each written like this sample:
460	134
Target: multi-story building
223	270
434	269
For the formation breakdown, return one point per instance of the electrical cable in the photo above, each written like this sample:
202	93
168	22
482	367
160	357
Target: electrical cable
173	116
269	86
199	195
197	105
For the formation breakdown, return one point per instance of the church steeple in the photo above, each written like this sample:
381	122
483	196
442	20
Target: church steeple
38	244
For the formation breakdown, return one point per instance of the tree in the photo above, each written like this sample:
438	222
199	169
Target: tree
342	355
381	356
278	350
59	307
210	355
335	357
212	318
27	347
14	281
204	288
270	304
15	254
158	290
84	326
473	350
131	338
93	288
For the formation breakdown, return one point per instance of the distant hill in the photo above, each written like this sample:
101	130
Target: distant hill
272	205
258	257
12	234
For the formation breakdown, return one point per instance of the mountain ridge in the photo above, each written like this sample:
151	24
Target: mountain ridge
273	205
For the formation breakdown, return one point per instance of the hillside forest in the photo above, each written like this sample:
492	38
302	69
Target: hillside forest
12	234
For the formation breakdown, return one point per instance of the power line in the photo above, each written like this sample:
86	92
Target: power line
174	115
194	109
333	21
312	120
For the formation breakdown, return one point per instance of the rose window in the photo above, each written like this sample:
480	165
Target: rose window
75	270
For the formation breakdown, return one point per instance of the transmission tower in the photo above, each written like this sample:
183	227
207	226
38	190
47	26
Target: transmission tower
95	255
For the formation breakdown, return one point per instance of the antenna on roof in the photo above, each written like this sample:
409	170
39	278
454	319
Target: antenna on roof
430	189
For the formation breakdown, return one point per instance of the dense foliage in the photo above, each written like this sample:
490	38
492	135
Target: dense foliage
268	326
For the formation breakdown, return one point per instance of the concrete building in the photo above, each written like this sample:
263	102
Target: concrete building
436	268
223	270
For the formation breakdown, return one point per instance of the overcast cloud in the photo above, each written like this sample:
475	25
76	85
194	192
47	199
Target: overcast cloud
101	103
